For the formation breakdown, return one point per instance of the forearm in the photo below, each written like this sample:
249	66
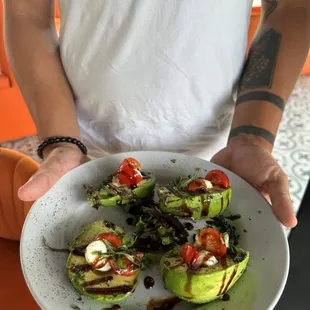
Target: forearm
274	63
34	58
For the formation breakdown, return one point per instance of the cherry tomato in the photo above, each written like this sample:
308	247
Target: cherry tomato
218	177
188	253
211	240
134	175
126	272
199	184
129	162
112	238
124	179
129	176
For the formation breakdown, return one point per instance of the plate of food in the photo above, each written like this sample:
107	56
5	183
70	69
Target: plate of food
153	230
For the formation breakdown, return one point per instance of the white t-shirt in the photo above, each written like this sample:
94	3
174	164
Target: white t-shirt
154	74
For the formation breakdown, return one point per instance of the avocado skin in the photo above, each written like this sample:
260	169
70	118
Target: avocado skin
85	237
204	286
205	205
105	200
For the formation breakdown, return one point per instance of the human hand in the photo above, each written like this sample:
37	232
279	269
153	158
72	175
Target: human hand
57	160
248	157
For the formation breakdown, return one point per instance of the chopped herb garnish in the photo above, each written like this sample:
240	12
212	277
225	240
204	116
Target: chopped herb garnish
237	255
74	307
173	160
148	260
233	217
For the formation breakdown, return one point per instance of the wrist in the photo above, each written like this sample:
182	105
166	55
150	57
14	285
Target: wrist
60	148
64	143
247	139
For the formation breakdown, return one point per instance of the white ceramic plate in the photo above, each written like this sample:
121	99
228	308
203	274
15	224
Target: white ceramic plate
60	215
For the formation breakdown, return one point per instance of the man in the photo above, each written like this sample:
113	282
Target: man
145	75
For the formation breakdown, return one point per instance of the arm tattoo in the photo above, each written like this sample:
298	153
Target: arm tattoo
252	130
262	96
271	5
260	65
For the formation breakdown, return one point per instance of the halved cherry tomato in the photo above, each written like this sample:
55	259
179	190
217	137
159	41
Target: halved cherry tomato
129	162
112	238
188	253
197	185
218	177
126	272
211	240
129	176
124	178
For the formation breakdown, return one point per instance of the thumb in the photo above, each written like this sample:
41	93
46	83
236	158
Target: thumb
59	161
37	186
281	201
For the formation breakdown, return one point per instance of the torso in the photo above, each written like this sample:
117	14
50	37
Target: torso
154	74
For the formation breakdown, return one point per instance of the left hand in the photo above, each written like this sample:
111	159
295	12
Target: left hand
249	157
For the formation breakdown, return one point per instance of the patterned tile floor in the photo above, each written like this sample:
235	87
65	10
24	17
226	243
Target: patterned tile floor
292	146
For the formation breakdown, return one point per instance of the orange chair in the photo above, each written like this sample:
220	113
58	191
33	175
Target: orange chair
16	169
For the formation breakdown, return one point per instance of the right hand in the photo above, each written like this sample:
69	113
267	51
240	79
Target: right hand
57	161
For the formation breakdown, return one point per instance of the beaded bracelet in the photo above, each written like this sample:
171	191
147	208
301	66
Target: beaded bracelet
54	140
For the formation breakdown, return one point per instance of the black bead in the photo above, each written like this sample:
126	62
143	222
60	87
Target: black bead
54	140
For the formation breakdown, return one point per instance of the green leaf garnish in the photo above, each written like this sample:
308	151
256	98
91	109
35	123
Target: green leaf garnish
182	182
118	254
